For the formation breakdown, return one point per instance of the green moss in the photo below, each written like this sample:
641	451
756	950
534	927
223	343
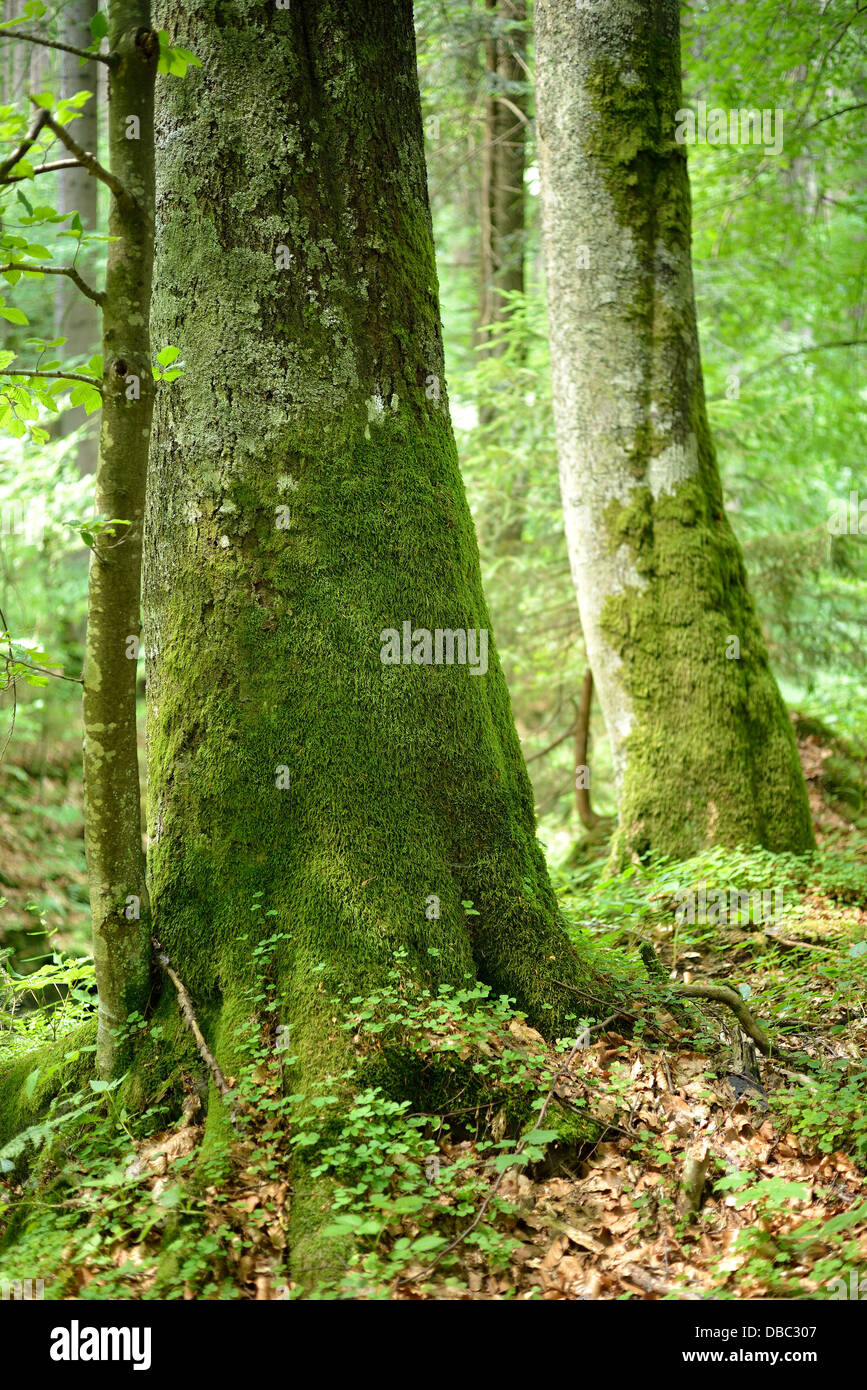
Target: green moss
711	756
31	1081
305	389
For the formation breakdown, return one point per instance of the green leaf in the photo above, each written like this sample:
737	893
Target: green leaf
30	1084
503	1161
427	1243
14	315
542	1136
43	99
175	61
99	25
167	355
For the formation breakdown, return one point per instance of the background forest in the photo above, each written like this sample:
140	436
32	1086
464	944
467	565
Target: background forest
779	256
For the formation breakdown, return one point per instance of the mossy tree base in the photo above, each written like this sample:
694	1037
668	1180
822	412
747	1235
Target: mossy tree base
304	497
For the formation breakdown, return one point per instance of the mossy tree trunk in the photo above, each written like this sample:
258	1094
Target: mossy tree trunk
305	496
703	748
113	841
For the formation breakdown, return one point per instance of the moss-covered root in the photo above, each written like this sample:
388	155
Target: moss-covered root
30	1082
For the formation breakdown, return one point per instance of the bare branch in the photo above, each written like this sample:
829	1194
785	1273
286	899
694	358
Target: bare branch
96	295
723	994
858	106
796	352
57	376
89	161
51	168
185	1004
64	47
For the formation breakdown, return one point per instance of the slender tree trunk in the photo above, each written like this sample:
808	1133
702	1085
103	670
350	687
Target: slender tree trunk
503	162
702	744
588	816
75	317
304	499
113	842
503	212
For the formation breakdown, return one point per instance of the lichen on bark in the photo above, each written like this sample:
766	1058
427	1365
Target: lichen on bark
702	745
304	496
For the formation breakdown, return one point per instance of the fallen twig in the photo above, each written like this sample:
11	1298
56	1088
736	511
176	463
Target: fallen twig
189	1017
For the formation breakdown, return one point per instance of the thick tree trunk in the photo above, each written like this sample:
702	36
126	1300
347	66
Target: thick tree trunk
305	497
703	748
115	860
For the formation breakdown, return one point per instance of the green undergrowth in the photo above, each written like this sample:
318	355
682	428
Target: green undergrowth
831	1115
775	1244
443	1093
648	892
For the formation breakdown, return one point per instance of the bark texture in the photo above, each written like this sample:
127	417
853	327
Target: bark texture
703	748
305	496
113	842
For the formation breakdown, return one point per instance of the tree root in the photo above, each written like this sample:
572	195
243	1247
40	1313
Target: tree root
724	994
719	994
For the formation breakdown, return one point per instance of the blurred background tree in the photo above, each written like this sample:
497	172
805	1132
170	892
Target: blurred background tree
780	257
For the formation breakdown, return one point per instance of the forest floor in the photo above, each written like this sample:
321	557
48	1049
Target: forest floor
783	1209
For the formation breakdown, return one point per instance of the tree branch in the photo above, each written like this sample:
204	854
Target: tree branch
26	144
64	47
858	106
96	295
186	1007
56	376
89	161
797	352
51	168
543	753
44	670
723	994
